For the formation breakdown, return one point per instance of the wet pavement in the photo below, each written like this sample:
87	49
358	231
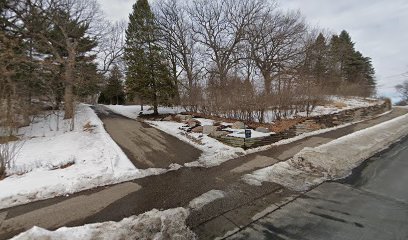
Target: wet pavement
370	204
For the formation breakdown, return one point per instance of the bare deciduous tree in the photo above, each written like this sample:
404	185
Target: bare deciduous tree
276	44
178	40
220	28
111	45
403	90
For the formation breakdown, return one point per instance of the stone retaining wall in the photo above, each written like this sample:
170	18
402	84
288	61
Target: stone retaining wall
310	124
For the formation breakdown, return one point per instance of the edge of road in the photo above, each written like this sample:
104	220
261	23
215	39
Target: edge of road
348	180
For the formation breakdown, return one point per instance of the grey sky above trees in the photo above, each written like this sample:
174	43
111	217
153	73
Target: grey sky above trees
378	27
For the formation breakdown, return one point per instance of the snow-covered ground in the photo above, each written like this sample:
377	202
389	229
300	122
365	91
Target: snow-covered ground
54	161
206	198
133	111
333	160
155	224
337	104
158	225
240	133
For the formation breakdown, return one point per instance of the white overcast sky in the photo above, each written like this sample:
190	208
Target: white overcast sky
378	27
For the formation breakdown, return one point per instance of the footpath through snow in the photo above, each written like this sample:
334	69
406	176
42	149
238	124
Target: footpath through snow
334	160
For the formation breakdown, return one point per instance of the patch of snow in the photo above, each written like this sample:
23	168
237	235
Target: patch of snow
206	198
213	152
133	111
240	133
349	103
403	107
168	224
334	160
205	121
54	162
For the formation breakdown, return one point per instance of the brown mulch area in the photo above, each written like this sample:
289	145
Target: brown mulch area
278	126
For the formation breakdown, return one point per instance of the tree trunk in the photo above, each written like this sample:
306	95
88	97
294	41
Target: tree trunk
69	82
69	101
155	105
267	82
8	111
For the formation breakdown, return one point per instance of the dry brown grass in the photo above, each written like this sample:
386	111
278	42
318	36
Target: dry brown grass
314	126
285	124
67	165
336	104
88	127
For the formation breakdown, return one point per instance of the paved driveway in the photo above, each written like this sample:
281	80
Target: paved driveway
146	146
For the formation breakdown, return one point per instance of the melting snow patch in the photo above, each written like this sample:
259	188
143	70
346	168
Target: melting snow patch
213	152
334	160
133	111
168	224
206	198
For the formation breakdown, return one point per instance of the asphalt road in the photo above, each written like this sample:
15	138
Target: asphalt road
370	204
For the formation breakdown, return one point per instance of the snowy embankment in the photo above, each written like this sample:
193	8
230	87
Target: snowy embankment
334	160
54	161
155	224
168	224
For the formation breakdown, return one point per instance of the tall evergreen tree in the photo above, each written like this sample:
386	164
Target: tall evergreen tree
113	92
148	75
349	66
317	59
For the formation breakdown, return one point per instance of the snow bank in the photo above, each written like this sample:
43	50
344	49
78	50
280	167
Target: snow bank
168	224
206	198
54	161
333	160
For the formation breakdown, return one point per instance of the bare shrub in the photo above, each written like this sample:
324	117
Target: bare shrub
8	152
